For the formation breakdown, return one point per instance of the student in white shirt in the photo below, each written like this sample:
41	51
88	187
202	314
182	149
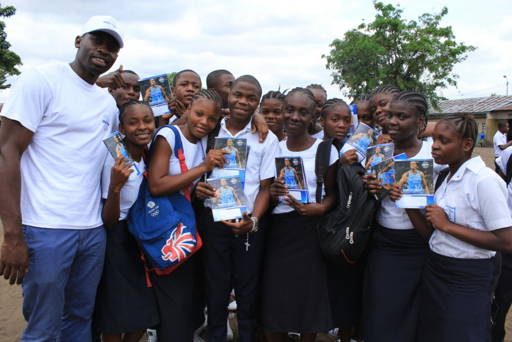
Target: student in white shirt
320	95
500	139
115	317
233	251
294	288
398	252
180	294
468	223
50	201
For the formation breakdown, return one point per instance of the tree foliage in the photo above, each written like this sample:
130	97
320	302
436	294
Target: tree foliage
414	55
8	59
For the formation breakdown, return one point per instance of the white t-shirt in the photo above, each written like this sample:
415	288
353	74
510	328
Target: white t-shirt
260	162
502	164
130	190
475	197
60	169
308	159
499	139
389	215
194	152
319	135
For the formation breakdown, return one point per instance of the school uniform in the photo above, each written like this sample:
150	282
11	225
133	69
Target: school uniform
458	278
234	261
123	272
295	288
503	291
393	273
180	294
498	140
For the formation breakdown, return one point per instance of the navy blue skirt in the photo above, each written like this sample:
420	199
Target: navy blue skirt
392	284
456	299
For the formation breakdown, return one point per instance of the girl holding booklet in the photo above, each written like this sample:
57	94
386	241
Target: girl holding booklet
179	294
398	252
115	317
294	290
468	223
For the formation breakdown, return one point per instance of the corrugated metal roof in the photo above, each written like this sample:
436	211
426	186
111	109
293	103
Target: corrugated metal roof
474	105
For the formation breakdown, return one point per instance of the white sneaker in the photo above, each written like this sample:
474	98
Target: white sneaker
152	337
232	306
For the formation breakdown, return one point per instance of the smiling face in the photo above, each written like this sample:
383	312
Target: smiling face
97	52
337	121
130	91
202	117
188	84
380	104
449	147
138	124
243	100
272	111
402	121
299	113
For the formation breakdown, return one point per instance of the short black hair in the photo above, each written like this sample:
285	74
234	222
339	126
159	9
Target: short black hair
502	124
213	77
130	103
465	125
333	103
179	73
249	79
130	72
317	86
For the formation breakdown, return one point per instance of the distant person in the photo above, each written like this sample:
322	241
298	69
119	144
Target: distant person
54	123
320	95
482	138
500	139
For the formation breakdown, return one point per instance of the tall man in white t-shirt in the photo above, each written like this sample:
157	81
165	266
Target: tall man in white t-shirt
50	166
500	139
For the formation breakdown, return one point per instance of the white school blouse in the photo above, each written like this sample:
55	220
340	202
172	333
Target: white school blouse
308	159
502	164
475	197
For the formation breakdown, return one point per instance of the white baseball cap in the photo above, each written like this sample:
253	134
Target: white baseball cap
106	24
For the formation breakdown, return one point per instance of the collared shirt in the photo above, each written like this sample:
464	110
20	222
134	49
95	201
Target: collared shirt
499	139
474	197
502	164
260	161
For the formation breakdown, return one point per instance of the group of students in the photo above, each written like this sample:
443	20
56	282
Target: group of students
428	275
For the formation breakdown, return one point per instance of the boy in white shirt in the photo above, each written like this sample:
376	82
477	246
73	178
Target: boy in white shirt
51	135
500	139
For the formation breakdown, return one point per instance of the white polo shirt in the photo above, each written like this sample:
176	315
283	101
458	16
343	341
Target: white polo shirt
260	162
502	164
475	197
499	139
61	167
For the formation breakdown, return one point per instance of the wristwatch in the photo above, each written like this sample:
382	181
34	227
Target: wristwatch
255	225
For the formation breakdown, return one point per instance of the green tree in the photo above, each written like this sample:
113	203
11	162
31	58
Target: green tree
8	59
414	55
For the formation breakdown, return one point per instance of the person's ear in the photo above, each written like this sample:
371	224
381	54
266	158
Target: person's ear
78	39
322	122
467	144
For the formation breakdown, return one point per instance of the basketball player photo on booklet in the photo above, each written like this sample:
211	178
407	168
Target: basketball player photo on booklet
415	178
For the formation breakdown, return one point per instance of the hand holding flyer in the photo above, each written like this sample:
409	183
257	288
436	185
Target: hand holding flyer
236	153
117	148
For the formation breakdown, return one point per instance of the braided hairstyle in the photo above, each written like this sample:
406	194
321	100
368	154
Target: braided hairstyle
465	125
273	95
317	86
387	89
331	103
306	92
418	101
175	79
130	103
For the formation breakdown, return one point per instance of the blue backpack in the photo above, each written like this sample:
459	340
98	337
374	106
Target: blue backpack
165	226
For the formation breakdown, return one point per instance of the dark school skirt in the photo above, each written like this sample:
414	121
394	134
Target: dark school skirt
294	287
124	303
392	285
345	283
456	299
180	300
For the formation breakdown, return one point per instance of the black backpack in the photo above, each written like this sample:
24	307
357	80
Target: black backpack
345	231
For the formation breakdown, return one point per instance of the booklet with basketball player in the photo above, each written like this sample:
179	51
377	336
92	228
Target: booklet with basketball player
363	137
237	152
416	180
117	148
291	171
229	201
156	91
378	153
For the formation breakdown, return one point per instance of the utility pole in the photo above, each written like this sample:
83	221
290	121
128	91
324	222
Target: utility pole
506	78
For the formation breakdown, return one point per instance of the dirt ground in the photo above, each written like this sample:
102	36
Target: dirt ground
12	322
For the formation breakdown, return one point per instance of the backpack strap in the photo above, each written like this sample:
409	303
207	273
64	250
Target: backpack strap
441	177
322	158
180	154
508	175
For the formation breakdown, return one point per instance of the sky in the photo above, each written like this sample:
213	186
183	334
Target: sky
280	42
